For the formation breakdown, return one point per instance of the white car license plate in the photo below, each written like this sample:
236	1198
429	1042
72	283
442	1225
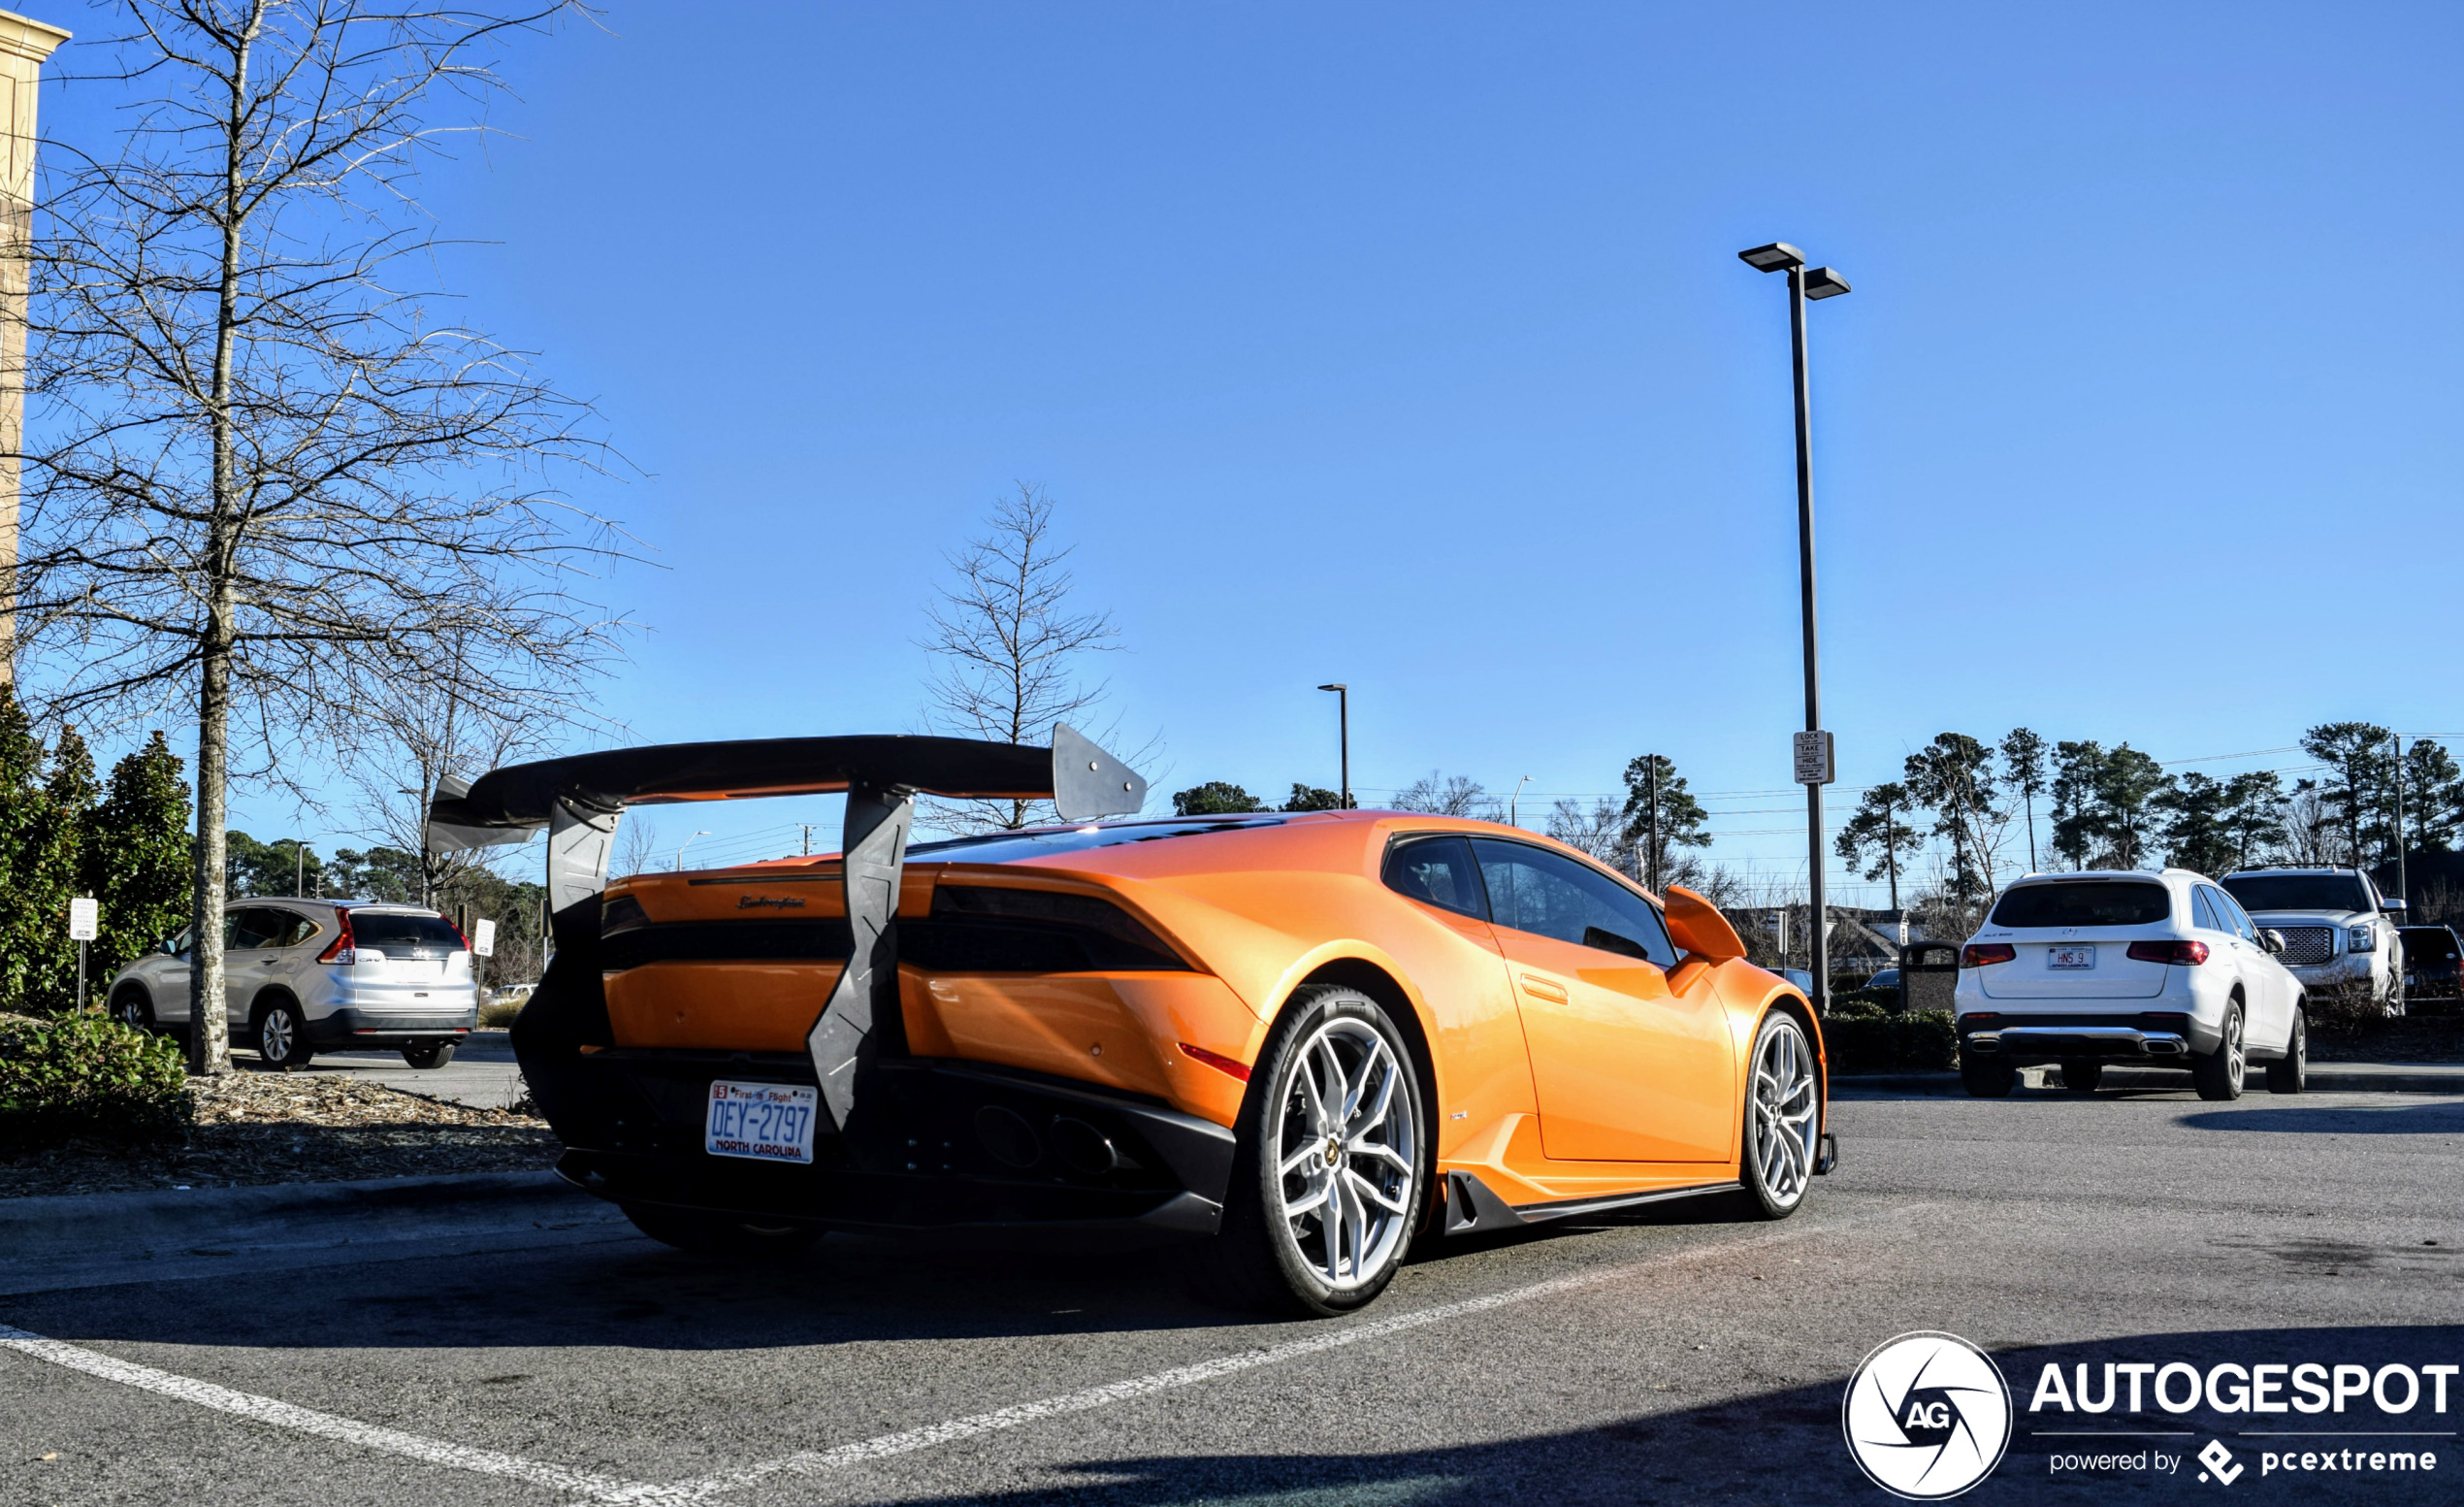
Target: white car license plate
2075	954
768	1122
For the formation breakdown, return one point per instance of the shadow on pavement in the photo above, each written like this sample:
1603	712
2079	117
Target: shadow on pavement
2434	1119
1787	1447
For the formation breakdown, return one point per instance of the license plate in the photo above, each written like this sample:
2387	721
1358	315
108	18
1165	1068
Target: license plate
768	1122
2076	955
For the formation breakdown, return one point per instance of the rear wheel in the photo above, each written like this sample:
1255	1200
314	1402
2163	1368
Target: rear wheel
1783	1118
2082	1076
429	1056
282	1040
1988	1077
2291	1073
720	1234
2218	1074
133	1008
1331	1171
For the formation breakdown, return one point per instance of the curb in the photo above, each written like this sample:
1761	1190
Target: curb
294	1214
2329	1079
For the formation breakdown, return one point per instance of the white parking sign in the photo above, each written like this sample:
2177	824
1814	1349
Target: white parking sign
86	920
1813	758
483	938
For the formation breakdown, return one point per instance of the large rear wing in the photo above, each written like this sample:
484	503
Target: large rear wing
580	800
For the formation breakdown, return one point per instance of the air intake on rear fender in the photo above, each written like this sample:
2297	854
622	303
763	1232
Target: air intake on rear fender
979	928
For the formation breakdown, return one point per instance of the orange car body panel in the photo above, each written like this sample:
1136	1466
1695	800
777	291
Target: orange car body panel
1560	1071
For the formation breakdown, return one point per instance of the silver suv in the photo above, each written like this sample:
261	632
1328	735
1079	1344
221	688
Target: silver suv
2338	930
302	974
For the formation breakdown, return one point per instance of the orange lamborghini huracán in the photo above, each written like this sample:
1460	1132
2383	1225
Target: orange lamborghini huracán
1303	1040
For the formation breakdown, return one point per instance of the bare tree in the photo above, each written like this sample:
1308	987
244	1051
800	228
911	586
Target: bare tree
417	733
263	481
1450	795
1600	831
636	846
1009	649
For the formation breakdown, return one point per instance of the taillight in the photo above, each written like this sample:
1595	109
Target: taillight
339	950
1979	955
2169	952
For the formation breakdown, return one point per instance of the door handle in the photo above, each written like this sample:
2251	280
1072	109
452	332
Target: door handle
1543	989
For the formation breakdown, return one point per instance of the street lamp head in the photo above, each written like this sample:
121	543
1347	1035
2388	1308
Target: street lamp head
1337	686
1778	256
1823	282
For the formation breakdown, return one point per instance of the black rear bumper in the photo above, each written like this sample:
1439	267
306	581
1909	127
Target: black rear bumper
944	1144
380	1028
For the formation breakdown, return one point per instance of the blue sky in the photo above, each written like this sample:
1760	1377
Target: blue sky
1406	345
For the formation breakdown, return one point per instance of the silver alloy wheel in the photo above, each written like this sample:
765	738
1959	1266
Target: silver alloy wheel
2234	1063
273	1035
1345	1147
132	1011
1786	1108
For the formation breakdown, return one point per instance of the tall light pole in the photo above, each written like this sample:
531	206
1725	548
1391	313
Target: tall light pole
1514	802
1813	750
681	846
1342	734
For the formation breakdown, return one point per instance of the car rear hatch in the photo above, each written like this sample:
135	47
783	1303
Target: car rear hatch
408	959
2070	939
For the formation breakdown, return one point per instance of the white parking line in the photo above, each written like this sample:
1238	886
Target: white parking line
806	1462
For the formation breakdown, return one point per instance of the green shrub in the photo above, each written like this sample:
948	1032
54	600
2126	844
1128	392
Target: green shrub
1917	1041
88	1076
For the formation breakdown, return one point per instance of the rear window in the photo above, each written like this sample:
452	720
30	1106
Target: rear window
2084	902
2299	892
2425	943
403	933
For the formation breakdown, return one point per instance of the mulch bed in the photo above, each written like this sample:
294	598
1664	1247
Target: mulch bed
256	1128
2412	1038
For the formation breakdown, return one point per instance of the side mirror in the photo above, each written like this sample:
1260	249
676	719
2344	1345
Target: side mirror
2272	939
2395	907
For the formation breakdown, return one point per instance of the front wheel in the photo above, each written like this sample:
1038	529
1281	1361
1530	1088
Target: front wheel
2082	1076
2291	1073
1783	1118
429	1056
2218	1074
1332	1167
133	1008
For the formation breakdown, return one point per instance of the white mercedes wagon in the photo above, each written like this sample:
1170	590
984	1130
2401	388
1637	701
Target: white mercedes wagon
2153	969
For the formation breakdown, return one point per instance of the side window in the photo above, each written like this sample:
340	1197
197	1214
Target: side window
2236	917
1549	894
2203	913
290	929
252	926
1437	872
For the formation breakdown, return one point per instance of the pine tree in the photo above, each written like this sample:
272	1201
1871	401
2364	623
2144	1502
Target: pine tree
137	863
22	830
54	869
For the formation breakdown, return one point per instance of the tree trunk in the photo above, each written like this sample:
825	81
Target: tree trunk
209	1024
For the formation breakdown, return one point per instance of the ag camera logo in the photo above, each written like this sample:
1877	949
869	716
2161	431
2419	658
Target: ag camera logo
1928	1415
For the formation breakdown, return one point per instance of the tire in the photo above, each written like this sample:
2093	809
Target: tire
2218	1074
1783	1119
719	1235
2395	996
429	1056
133	1008
282	1040
1380	1160
2080	1076
2291	1073
1987	1078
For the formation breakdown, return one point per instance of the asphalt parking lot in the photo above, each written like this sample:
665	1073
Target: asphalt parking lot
1679	1356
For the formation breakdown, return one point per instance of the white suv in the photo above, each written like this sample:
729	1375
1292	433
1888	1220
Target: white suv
2152	969
2338	930
301	974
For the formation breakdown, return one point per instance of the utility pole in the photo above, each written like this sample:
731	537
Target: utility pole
1651	813
2403	889
1342	736
808	836
1891	849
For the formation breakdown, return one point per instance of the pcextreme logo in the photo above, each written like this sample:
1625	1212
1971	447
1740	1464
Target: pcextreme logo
1928	1415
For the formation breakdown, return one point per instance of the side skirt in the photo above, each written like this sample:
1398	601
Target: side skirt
1473	1207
